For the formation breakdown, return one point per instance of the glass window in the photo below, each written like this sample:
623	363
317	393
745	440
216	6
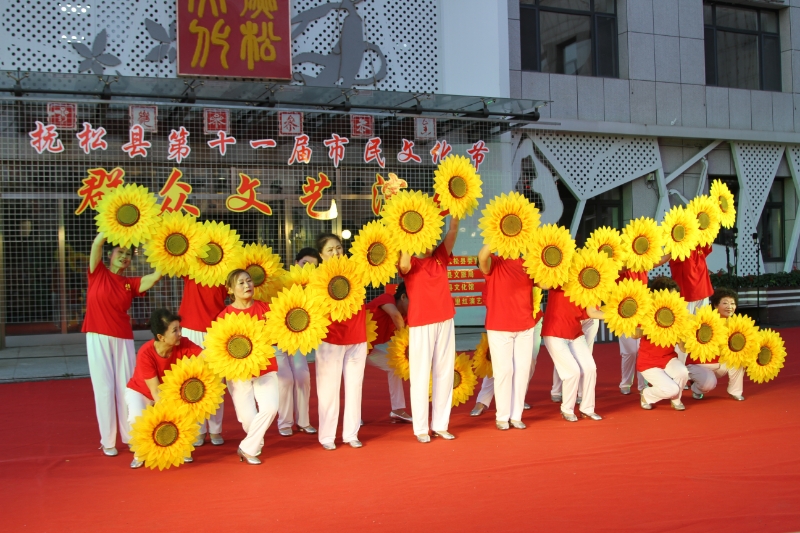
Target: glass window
602	210
771	227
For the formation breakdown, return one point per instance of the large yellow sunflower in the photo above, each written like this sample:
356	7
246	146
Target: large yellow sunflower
265	269
609	241
681	233
642	241
705	335
627	305
508	224
770	357
549	256
414	219
127	215
224	254
339	284
537	295
397	353
482	358
372	330
721	194
192	389
668	320
740	348
592	277
376	251
162	438
707	213
458	186
238	346
298	275
464	380
296	321
176	244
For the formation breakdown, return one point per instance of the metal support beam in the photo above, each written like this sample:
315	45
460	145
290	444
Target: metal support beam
694	159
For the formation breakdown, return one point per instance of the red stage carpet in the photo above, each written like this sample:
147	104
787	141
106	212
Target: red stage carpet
719	466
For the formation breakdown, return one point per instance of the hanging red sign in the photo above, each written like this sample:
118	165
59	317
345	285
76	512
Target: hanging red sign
362	126
424	128
62	116
215	120
145	116
290	123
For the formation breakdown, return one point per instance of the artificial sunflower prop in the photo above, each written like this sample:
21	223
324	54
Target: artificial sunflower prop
296	321
458	186
721	194
414	219
482	358
464	380
537	294
238	346
192	389
770	357
707	213
372	330
609	241
627	306
298	275
397	353
681	232
668	320
127	215
508	224
162	438
224	254
740	348
642	240
376	252
592	277
265	269
706	333
176	244
549	256
339	284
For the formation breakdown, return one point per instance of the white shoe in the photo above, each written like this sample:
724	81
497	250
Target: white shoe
201	439
110	452
136	463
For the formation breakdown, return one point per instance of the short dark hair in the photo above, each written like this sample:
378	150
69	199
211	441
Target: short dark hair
723	292
322	238
400	291
160	319
663	282
233	275
307	252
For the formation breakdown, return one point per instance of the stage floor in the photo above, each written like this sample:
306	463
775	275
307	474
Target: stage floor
721	465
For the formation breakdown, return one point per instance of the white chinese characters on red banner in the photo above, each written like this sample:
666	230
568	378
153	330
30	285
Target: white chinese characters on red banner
45	138
62	116
136	144
91	139
215	120
372	151
440	151
98	182
179	148
290	123
174	194
406	154
362	126
476	153
336	148
301	153
145	116
222	141
424	128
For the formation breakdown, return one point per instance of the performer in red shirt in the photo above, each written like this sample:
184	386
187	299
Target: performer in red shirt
109	337
629	346
389	312
343	352
692	277
431	335
155	357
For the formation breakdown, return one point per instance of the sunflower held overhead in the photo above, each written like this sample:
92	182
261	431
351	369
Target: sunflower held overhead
376	252
458	185
549	256
265	269
298	275
225	251
127	215
508	224
592	277
176	244
642	241
721	194
238	346
681	233
770	359
414	219
296	321
609	241
707	213
162	438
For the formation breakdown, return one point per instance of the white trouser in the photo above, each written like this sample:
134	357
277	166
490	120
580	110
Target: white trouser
667	383
693	307
574	363
431	352
333	362
111	364
590	326
137	403
705	377
628	351
256	403
377	358
214	424
285	390
511	365
487	385
302	388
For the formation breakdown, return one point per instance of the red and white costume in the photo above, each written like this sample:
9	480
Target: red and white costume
692	277
661	368
704	377
589	326
377	357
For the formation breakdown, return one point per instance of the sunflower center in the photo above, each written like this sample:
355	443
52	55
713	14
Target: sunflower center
704	334
165	434
609	251
552	256
511	225
214	254
176	244
627	307
457	186
589	278
678	233
297	319
376	253
488	355
723	204
641	244
239	347
128	215
193	390
704	220
736	342
406	353
764	356
665	317
411	222
456	379
257	274
338	288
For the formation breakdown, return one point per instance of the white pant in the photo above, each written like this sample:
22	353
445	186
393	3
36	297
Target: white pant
431	351
333	362
285	390
256	403
705	377
667	383
111	364
137	403
377	358
628	351
214	423
302	388
589	327
693	307
574	363
511	365
487	385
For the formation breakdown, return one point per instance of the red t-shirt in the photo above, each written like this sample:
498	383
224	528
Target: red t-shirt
108	299
151	365
200	305
429	289
258	309
351	331
508	296
652	356
562	318
385	323
691	275
630	274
